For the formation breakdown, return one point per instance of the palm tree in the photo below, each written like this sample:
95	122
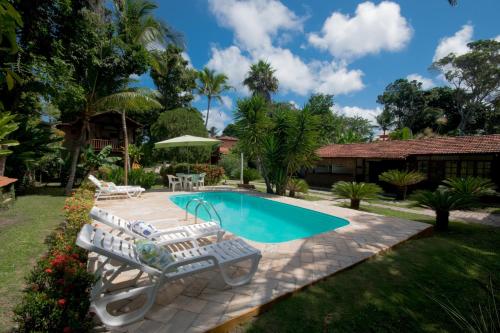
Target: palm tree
356	192
211	85
297	185
402	179
261	80
442	201
385	120
473	186
7	126
137	25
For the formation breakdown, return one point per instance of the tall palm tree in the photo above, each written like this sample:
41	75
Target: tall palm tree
261	80
211	85
137	25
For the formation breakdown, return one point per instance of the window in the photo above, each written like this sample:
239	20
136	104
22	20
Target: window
484	169
466	168
450	169
423	166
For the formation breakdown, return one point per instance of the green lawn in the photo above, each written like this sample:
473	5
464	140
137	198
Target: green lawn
23	229
390	293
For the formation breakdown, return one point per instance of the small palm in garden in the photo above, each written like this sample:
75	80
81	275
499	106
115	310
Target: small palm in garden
296	185
356	192
443	201
474	186
402	179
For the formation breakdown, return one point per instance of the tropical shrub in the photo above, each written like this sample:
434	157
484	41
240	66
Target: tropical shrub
474	186
56	298
91	160
142	178
401	179
297	185
356	191
442	201
231	164
250	174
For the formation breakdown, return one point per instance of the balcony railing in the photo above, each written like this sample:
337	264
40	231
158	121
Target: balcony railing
99	144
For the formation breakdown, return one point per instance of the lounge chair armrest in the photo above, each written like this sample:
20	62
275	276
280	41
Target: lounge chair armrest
167	232
181	263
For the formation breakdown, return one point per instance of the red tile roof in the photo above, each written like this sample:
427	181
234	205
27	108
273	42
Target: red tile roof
4	181
227	143
399	149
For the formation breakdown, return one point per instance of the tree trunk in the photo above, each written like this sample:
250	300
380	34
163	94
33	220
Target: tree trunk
74	158
125	149
355	203
442	219
3	160
291	194
208	111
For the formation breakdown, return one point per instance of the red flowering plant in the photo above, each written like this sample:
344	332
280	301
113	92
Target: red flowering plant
57	290
213	175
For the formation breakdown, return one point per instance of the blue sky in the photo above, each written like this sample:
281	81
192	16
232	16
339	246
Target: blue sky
346	48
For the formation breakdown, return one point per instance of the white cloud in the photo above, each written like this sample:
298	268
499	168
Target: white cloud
426	82
337	79
497	38
217	118
294	104
352	111
256	25
456	44
372	29
134	77
233	63
255	22
227	102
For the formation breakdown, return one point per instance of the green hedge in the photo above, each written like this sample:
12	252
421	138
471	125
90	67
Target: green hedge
56	298
138	177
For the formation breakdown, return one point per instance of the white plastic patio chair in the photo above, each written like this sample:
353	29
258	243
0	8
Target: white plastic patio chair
110	189
173	182
201	180
185	263
185	233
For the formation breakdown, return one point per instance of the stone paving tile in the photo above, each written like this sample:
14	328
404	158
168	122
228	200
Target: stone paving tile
204	301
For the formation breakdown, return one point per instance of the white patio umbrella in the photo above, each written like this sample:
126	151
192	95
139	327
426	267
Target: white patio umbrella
187	141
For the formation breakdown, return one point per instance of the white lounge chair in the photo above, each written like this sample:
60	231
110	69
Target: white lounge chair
186	233
110	189
183	264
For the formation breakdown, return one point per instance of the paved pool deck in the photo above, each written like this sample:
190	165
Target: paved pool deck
203	302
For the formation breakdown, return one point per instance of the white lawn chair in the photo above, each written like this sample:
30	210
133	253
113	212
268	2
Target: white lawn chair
173	182
186	233
110	189
201	180
184	264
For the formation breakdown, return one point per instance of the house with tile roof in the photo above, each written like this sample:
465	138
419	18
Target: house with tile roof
437	157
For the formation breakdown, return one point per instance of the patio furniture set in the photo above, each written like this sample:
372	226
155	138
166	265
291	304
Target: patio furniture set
186	181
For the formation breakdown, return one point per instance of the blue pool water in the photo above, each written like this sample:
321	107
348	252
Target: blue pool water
260	219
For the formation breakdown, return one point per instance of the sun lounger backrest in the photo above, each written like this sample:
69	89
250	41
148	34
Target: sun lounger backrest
101	242
111	220
95	181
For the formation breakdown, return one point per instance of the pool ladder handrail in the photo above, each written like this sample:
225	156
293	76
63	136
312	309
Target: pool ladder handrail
204	204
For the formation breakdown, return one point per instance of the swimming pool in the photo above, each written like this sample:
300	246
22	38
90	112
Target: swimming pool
260	219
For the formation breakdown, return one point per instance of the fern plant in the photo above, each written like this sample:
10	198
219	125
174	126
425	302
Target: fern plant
401	179
356	192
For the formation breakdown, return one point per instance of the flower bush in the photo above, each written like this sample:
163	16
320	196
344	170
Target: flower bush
56	298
